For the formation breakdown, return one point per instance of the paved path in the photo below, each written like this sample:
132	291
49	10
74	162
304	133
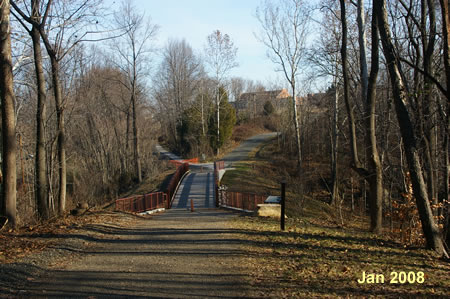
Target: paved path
199	184
242	151
165	154
198	187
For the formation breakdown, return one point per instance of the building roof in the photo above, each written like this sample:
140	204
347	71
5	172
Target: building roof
264	95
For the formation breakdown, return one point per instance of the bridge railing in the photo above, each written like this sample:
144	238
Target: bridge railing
217	166
242	201
142	203
156	200
177	163
174	182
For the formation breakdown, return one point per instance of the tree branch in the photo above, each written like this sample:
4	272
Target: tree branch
429	76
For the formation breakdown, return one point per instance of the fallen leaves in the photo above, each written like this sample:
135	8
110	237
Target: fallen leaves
320	262
16	244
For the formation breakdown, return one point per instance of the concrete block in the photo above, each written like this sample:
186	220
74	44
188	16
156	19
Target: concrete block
269	210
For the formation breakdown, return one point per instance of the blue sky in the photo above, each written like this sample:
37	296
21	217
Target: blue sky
194	20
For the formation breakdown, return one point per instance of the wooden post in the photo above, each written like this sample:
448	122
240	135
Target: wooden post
167	200
192	205
283	203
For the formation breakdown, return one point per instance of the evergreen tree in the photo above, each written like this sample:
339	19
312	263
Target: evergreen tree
268	108
192	128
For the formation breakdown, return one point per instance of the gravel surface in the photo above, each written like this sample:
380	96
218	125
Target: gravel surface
176	254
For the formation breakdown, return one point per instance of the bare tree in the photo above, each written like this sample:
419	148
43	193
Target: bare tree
237	87
430	229
8	200
421	28
133	50
97	140
345	75
69	25
373	174
285	27
41	181
178	77
221	58
201	104
324	56
445	13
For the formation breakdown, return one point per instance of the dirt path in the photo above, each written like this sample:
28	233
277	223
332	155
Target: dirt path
177	254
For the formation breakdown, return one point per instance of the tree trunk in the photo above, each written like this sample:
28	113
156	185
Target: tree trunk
8	202
348	106
137	158
446	204
52	52
429	126
334	145
362	49
127	138
430	229
446	45
62	169
297	129
41	181
375	173
203	119
218	119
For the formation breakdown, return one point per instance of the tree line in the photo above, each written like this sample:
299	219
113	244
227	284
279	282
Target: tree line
387	110
79	117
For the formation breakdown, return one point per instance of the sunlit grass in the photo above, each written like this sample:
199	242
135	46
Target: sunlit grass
308	260
322	254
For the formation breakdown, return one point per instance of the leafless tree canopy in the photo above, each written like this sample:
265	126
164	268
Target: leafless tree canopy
86	95
220	54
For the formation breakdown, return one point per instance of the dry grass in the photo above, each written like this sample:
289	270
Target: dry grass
320	254
152	184
310	260
244	131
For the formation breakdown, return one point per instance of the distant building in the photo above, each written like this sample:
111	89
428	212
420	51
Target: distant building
317	102
253	102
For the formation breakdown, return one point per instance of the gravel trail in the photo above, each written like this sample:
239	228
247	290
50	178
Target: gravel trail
177	254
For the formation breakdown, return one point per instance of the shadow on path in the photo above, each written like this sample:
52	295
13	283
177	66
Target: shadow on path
177	254
185	187
207	189
198	187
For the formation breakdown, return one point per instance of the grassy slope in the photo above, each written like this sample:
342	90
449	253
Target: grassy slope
317	256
